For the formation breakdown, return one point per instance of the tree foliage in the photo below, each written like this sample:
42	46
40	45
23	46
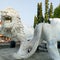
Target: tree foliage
39	13
39	18
51	11
48	13
57	12
46	10
35	21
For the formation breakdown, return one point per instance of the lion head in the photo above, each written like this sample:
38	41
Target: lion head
9	16
11	21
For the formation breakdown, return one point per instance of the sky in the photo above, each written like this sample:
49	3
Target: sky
27	9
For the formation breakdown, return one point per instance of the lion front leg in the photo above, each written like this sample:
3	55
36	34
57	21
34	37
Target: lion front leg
53	50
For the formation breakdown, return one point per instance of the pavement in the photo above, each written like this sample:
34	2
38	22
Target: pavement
6	54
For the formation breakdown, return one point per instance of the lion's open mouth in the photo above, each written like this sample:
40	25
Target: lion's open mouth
7	18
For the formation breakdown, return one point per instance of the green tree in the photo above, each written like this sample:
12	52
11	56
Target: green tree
51	11
38	10
39	13
46	10
57	12
35	21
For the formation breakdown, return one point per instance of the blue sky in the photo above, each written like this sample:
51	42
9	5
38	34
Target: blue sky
26	8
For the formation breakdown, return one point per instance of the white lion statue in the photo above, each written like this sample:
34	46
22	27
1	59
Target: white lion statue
43	31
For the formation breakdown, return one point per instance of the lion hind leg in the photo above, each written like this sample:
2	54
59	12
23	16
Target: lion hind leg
53	50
